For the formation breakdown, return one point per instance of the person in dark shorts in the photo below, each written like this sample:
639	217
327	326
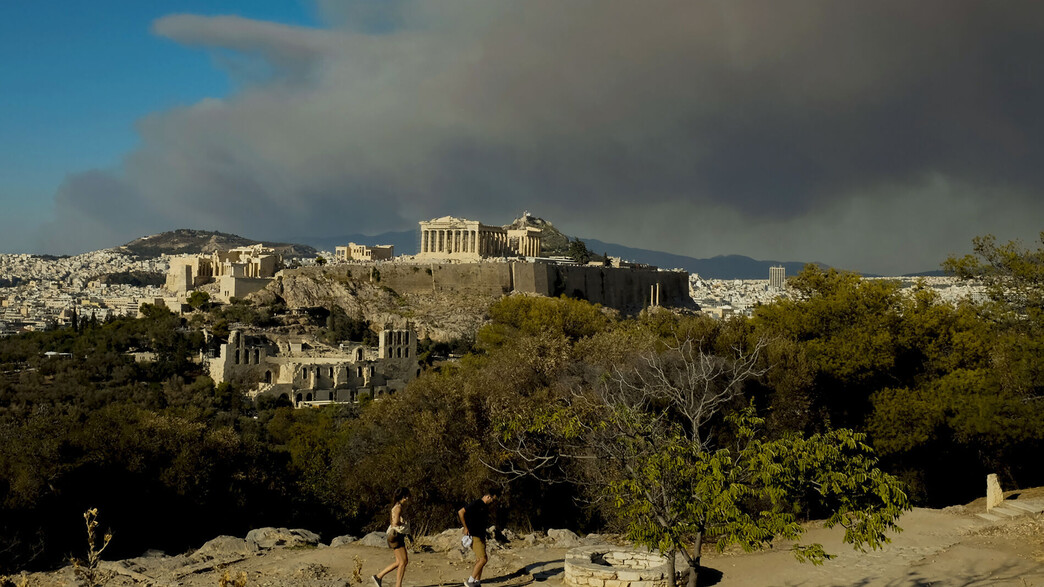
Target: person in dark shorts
475	518
397	531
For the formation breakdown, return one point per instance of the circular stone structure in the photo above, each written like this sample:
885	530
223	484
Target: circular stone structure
611	566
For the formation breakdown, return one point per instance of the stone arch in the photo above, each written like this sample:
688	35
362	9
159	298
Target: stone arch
268	377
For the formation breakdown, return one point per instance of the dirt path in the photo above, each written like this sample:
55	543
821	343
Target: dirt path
937	547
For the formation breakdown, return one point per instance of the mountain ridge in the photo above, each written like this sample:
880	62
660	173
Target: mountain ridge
180	241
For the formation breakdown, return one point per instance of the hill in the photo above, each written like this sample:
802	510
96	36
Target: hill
184	240
552	241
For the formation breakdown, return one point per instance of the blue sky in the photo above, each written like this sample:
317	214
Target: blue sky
76	76
874	136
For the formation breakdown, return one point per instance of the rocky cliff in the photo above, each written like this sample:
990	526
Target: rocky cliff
451	300
357	289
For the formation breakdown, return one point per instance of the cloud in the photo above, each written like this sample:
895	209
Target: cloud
289	50
612	115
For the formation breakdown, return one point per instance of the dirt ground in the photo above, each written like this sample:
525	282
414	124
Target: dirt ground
952	546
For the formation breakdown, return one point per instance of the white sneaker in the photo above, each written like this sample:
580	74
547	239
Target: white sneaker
376	581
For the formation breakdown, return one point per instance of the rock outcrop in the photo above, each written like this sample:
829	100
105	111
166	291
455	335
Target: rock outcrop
443	316
268	538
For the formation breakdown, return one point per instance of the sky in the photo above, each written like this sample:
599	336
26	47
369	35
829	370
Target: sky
872	136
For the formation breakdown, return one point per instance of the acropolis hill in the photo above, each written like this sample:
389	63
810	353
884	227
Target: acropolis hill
625	289
456	257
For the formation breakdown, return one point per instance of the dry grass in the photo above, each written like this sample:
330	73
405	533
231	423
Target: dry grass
87	571
357	576
228	581
15	581
1027	530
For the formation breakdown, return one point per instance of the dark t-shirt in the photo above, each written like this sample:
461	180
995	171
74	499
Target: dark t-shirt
476	516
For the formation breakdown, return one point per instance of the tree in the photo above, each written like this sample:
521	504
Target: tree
684	460
320	260
578	252
675	493
341	327
515	316
849	330
199	299
1014	276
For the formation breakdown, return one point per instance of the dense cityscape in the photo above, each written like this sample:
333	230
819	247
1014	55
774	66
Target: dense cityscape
41	291
38	292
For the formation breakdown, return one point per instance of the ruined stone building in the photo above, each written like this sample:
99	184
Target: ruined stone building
238	271
450	238
354	252
309	373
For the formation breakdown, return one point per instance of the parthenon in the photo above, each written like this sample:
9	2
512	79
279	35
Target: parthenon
457	238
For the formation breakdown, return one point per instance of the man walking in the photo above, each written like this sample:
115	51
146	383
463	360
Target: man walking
475	518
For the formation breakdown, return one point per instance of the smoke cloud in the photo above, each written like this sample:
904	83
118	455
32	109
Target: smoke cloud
878	136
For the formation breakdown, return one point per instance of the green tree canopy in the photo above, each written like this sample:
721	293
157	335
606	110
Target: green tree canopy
1013	275
198	299
579	252
684	460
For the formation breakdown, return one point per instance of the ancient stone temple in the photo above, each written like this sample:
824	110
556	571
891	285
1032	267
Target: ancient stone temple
469	240
239	271
307	372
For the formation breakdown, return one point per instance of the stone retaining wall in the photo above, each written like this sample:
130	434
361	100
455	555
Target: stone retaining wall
621	288
607	566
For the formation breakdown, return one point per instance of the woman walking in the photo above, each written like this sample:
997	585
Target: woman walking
397	531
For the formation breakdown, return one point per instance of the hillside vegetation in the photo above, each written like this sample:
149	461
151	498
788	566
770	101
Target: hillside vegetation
939	394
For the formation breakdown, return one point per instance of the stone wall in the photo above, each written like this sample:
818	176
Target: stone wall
602	566
421	278
623	289
619	288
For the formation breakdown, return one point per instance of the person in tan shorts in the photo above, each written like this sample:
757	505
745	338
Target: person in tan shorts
475	519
